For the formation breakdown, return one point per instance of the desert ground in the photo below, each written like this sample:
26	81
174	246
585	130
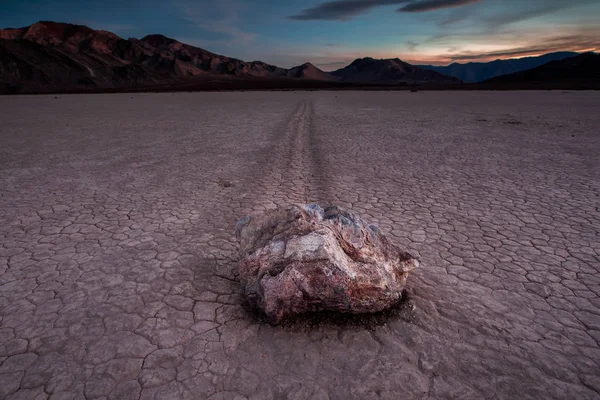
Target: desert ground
118	252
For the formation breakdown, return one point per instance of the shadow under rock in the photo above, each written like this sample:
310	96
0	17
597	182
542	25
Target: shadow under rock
219	276
403	309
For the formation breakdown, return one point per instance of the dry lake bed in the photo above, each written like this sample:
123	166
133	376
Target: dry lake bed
117	246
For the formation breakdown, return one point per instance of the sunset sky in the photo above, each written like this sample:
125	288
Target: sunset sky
330	34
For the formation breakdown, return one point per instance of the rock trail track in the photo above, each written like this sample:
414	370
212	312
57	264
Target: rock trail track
289	167
117	248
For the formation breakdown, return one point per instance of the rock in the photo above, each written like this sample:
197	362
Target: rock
302	258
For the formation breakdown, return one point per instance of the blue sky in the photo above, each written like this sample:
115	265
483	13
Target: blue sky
330	34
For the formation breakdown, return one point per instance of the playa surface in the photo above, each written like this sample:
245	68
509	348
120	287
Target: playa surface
117	246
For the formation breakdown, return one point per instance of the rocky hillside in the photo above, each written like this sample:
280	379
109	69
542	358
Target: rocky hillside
55	56
58	57
390	71
309	71
481	71
581	71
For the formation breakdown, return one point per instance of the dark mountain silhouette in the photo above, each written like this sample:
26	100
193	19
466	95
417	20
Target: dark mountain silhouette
390	71
479	71
59	57
581	71
309	71
55	57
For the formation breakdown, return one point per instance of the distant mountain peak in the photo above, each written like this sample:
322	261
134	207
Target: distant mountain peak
389	71
481	71
69	37
582	70
362	59
309	71
157	39
371	60
57	28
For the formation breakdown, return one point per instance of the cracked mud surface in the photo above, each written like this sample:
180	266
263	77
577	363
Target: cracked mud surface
117	246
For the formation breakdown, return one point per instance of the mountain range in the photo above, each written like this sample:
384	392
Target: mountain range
389	72
58	57
49	56
581	69
478	71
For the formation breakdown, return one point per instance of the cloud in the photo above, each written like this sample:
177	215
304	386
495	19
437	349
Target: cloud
346	9
512	11
227	27
493	55
529	10
510	45
411	45
226	23
341	9
432	5
576	43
